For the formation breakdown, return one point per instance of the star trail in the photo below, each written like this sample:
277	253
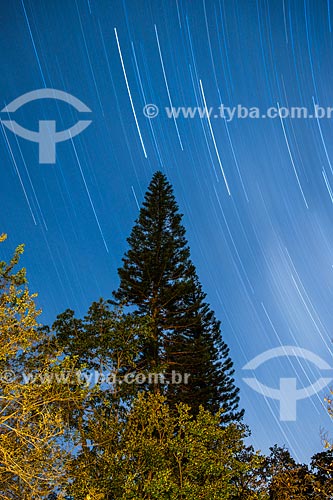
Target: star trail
256	193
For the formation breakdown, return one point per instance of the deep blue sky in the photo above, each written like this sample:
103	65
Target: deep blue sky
265	253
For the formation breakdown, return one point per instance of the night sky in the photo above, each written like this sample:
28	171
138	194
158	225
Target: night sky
256	194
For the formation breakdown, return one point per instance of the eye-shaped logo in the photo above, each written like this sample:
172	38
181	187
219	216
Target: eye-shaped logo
287	394
47	136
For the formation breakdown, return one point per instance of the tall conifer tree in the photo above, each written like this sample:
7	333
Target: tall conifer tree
159	280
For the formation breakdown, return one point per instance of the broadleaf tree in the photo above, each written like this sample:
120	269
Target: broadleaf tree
33	401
